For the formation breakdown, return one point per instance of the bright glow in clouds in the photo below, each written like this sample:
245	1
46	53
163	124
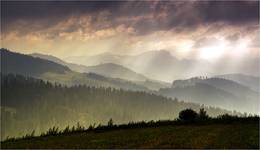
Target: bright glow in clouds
213	51
184	47
240	48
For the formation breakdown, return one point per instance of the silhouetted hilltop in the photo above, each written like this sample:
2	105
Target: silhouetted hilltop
215	92
17	63
252	82
26	65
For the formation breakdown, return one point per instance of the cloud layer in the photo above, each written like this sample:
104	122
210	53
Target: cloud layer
90	27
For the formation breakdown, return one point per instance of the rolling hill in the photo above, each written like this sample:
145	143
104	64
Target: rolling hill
110	70
106	69
74	67
158	65
215	92
162	65
26	65
42	105
252	82
115	71
235	135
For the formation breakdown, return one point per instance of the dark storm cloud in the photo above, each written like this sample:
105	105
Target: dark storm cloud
233	12
147	16
14	10
48	13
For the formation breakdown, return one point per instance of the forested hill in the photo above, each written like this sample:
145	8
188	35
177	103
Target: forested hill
250	81
218	92
29	104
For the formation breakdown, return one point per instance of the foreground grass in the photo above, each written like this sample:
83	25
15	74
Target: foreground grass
219	135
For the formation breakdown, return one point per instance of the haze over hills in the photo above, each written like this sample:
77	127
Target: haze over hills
106	69
115	71
102	58
42	105
96	98
215	92
161	65
44	69
74	67
109	70
250	81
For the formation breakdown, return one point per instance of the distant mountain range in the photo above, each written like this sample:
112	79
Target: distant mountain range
252	82
161	65
215	92
53	69
27	65
109	70
30	104
233	91
41	68
106	69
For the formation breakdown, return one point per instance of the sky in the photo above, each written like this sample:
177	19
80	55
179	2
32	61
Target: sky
209	30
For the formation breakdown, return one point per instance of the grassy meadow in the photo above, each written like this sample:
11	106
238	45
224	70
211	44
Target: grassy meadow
217	135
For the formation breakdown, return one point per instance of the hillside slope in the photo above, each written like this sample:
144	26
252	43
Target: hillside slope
42	105
250	81
26	65
162	65
110	70
115	71
215	92
106	69
213	136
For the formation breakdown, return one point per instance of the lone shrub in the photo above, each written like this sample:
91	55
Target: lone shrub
188	115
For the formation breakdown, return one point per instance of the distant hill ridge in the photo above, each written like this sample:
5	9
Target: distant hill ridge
162	65
250	81
12	62
106	69
215	92
55	70
110	70
44	105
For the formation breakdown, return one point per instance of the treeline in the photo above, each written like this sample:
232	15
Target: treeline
29	103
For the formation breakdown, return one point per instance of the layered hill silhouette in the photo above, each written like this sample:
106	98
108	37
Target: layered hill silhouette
252	82
96	97
26	65
109	70
215	92
154	64
32	104
161	65
219	91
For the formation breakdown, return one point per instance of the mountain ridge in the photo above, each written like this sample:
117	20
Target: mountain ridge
162	65
27	65
215	92
110	70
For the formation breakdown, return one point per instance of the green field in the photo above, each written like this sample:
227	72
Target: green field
235	135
